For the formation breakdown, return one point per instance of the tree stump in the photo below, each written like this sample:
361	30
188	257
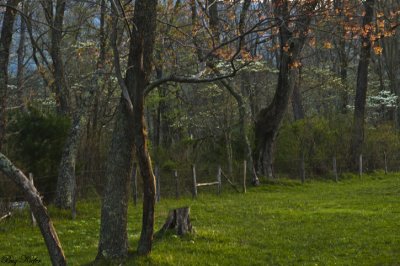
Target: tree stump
177	220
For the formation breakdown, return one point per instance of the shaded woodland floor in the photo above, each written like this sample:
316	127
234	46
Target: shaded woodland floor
353	222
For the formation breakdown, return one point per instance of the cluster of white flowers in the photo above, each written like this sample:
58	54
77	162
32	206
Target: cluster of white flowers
11	87
86	44
255	66
383	99
48	102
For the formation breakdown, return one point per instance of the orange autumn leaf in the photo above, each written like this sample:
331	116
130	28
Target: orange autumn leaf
378	50
327	45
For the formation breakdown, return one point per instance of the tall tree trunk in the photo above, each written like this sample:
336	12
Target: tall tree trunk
39	210
66	181
269	119
5	43
361	89
138	77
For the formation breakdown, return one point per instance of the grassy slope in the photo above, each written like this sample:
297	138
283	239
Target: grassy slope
354	222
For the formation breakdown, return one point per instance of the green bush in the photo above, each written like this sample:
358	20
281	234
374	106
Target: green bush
321	139
379	141
36	140
318	139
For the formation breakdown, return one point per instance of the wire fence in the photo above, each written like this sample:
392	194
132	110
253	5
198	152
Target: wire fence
179	181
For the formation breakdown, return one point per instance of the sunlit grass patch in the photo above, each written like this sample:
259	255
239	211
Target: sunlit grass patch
353	222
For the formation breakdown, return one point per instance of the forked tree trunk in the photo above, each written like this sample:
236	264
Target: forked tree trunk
361	89
39	210
129	136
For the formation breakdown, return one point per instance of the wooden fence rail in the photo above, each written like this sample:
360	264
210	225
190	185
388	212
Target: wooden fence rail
216	183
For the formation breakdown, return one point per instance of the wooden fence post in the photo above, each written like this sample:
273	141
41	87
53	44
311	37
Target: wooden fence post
157	174
176	184
360	165
386	168
134	184
32	216
244	175
219	180
194	181
335	169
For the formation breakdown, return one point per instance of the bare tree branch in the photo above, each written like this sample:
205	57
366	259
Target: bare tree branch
117	64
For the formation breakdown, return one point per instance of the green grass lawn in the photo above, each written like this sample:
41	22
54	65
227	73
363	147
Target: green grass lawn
353	222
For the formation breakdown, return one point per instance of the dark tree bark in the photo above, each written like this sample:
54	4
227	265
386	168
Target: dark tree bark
5	43
362	86
130	136
39	210
138	77
291	43
297	100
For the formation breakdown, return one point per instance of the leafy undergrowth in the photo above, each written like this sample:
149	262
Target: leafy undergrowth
353	222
